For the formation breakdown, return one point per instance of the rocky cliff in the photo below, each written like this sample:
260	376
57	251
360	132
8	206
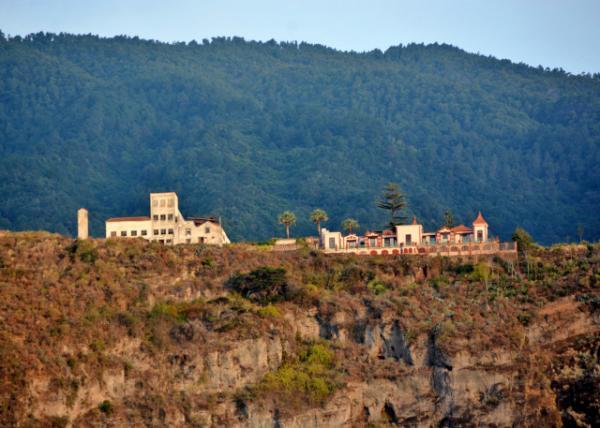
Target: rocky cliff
128	333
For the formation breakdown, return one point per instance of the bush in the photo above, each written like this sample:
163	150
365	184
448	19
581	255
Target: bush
269	311
106	407
264	285
166	310
308	378
463	268
524	241
353	276
85	249
481	272
377	287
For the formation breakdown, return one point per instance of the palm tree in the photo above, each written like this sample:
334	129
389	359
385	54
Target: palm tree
350	224
317	216
288	219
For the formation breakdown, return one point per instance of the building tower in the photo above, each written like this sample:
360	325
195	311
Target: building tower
82	223
480	229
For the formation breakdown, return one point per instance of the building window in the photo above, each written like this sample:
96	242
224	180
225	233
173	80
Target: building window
155	202
408	239
169	241
207	229
163	231
162	241
124	233
201	240
113	234
171	202
134	233
188	232
188	241
480	235
170	231
144	232
155	217
155	231
170	217
162	202
163	217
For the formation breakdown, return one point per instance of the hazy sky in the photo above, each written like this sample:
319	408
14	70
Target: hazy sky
552	33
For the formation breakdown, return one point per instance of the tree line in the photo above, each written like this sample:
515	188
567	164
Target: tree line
240	129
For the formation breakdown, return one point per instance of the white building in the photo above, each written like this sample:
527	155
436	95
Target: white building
167	225
411	239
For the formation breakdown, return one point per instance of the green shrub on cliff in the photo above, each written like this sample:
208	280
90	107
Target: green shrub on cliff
309	377
263	285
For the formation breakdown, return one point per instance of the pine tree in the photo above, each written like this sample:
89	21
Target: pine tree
448	219
393	199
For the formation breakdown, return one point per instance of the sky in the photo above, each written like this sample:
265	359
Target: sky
552	33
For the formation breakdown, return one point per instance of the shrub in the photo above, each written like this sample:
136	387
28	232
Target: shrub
524	242
208	263
463	268
59	421
481	272
85	249
269	311
354	275
377	287
166	310
97	345
524	318
106	407
264	285
310	377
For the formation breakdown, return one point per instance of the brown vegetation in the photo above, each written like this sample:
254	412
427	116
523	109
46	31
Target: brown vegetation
75	313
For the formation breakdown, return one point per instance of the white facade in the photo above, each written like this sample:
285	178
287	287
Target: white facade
480	229
167	225
331	240
409	234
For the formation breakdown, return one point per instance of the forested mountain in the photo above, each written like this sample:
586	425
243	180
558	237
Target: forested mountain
247	130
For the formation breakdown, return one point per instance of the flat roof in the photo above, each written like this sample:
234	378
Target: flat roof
115	219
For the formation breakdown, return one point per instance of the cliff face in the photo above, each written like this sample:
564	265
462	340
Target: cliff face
113	333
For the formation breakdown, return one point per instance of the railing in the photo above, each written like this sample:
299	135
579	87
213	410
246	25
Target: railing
449	248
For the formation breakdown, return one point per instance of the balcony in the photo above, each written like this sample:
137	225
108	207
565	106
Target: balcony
466	248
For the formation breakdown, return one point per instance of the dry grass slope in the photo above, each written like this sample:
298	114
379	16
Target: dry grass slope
76	313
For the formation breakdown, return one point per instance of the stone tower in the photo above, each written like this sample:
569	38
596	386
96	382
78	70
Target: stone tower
82	223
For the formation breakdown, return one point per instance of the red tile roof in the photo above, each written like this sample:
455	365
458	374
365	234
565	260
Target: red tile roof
461	228
479	219
114	219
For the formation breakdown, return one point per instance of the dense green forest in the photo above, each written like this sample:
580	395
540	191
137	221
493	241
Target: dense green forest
247	130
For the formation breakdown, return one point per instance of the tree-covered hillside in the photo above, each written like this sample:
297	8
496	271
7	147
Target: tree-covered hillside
247	130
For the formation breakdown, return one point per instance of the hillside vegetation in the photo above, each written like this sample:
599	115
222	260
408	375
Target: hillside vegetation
246	130
132	333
